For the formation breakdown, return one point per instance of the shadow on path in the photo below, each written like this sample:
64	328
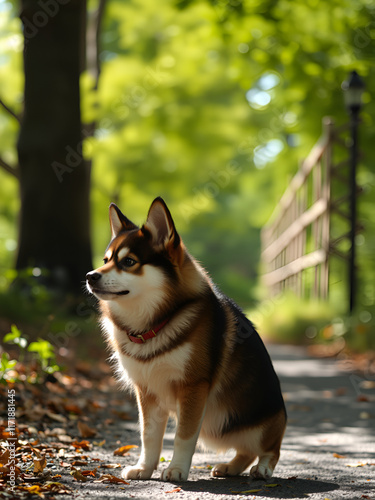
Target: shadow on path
278	487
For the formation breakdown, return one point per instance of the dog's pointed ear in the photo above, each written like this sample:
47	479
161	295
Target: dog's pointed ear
161	226
118	221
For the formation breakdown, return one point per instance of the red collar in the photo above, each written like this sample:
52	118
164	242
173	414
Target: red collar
142	337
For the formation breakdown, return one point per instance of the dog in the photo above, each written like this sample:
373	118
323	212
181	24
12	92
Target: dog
186	350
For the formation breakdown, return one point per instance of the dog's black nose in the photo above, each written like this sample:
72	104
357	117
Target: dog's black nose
93	277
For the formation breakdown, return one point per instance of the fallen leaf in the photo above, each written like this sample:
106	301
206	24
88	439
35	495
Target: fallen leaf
122	414
39	465
110	466
364	415
336	455
271	485
246	491
5	471
33	490
89	472
78	476
85	445
368	384
85	430
79	462
4	458
99	443
341	391
72	408
56	487
124	449
97	405
175	490
56	417
363	398
64	438
109	478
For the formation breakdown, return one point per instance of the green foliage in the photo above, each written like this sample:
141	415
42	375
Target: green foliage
45	355
14	337
6	365
211	105
290	319
359	329
42	360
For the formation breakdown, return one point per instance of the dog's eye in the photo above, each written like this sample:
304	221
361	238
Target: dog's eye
105	260
128	262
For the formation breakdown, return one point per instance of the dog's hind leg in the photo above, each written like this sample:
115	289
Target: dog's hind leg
270	447
233	468
265	467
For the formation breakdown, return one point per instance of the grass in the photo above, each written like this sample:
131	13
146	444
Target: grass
289	319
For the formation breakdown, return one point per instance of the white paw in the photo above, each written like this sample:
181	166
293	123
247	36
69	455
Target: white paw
260	471
172	473
136	472
220	470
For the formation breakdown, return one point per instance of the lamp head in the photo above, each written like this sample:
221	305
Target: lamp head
353	89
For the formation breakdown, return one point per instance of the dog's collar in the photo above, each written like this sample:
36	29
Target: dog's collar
142	337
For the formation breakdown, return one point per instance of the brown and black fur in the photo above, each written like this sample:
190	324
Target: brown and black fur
208	364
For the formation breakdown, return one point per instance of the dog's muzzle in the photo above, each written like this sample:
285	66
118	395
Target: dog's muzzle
93	281
93	277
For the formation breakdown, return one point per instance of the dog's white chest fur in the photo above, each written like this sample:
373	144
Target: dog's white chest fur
159	375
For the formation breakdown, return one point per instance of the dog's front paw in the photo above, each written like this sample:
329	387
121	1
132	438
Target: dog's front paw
136	472
173	473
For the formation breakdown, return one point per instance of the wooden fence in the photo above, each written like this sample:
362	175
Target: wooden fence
297	242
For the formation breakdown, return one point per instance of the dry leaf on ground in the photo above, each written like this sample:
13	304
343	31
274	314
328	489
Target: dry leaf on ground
109	478
86	431
124	449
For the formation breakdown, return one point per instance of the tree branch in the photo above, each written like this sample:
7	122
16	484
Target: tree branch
11	170
9	110
93	37
99	19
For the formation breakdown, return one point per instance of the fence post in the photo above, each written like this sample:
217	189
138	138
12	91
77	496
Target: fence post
328	127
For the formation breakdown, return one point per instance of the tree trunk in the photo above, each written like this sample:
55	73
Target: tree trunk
54	179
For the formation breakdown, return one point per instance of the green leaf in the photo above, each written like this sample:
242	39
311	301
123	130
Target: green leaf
52	369
44	348
6	363
14	334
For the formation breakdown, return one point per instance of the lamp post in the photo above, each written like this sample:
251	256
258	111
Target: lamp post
353	89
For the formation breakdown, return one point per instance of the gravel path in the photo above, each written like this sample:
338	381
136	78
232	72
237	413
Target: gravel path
328	451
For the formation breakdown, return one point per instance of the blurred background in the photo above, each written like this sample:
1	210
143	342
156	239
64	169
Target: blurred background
211	104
